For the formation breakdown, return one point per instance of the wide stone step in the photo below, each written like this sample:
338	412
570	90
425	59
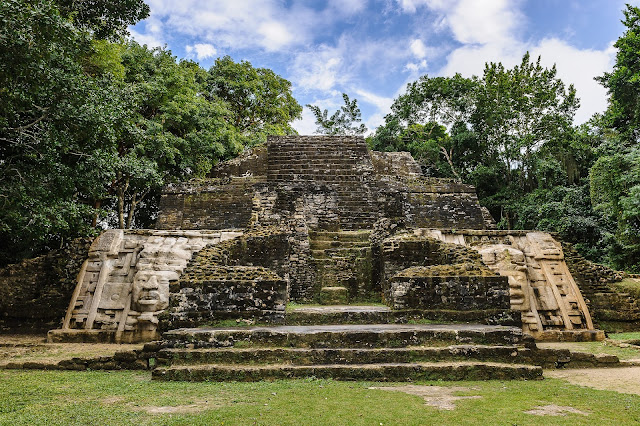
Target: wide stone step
347	336
336	244
343	236
365	314
373	372
304	356
322	251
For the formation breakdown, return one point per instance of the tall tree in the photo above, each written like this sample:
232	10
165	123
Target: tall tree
499	123
171	133
623	83
107	19
260	102
347	120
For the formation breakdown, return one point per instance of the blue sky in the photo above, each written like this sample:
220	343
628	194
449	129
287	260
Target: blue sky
370	49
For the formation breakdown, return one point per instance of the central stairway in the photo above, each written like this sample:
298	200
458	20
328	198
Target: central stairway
376	352
343	263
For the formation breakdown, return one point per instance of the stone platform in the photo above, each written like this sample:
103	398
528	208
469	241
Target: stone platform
380	352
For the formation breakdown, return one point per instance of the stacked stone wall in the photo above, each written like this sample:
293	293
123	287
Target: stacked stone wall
250	163
36	292
236	278
208	204
416	288
610	307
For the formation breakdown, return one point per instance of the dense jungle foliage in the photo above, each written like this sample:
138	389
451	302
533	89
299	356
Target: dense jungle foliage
93	125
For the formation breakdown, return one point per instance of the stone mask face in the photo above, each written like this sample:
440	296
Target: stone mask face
151	290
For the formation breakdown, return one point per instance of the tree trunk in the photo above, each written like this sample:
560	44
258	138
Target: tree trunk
96	205
447	156
132	210
122	189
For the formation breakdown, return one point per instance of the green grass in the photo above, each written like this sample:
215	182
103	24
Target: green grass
625	336
49	397
596	348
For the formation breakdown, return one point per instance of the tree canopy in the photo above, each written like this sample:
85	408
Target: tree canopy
92	126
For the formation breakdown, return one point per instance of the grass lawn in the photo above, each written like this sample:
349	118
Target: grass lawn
124	397
625	336
605	347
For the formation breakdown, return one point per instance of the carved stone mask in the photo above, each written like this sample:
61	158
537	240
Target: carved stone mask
151	290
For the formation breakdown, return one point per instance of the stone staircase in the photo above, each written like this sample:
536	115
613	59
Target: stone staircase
340	170
377	352
343	264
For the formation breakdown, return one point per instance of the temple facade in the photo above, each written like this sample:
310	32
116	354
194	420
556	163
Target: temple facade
323	220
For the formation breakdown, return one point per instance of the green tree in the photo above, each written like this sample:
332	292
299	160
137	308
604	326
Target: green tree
500	124
519	111
55	121
615	191
342	122
445	100
259	101
170	133
623	83
107	19
417	124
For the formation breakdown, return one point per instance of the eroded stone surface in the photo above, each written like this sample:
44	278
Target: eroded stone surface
541	286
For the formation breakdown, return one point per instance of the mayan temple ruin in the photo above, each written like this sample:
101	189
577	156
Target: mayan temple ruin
318	242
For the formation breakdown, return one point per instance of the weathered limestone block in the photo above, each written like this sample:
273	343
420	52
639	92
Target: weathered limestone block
332	183
237	278
395	164
424	288
220	292
124	284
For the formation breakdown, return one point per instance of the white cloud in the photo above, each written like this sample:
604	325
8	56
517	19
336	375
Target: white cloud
348	7
484	21
474	21
274	35
579	67
320	69
202	50
418	48
150	40
488	30
382	103
264	24
411	6
307	124
335	67
414	68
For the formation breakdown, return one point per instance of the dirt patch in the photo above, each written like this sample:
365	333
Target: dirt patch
623	380
195	407
554	410
440	397
26	348
112	400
